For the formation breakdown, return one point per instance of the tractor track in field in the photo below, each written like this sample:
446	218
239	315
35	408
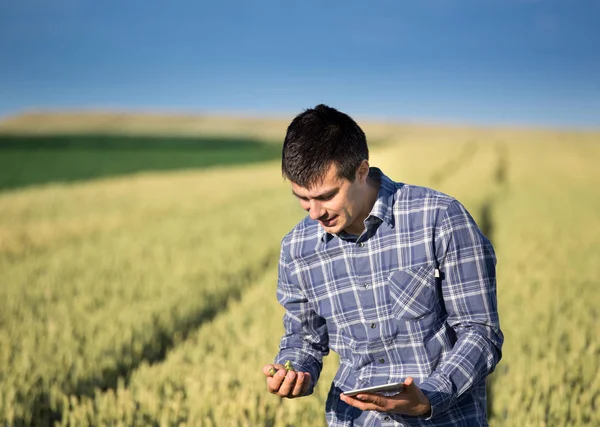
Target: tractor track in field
487	223
455	164
488	228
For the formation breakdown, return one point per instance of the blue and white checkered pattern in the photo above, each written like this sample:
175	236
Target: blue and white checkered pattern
414	295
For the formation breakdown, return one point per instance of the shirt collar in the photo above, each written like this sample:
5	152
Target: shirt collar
382	208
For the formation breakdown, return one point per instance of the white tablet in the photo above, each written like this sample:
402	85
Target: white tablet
376	389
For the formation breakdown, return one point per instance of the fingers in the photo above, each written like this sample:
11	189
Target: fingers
305	383
420	403
286	384
367	402
301	385
411	392
375	399
298	384
275	366
410	401
274	383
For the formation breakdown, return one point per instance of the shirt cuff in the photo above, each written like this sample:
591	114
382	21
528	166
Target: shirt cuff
439	392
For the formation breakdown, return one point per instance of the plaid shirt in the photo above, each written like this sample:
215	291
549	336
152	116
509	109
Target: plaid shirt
413	295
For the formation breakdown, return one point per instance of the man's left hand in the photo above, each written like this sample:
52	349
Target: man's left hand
410	401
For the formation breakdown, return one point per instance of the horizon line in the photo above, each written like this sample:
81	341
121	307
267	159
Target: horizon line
257	114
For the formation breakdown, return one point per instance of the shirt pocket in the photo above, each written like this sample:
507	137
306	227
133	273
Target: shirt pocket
414	301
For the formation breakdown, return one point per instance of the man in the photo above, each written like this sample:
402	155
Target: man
397	279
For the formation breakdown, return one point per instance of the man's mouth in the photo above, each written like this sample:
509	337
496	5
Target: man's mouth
328	222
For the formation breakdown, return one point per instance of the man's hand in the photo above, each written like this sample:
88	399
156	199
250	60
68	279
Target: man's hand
410	401
286	384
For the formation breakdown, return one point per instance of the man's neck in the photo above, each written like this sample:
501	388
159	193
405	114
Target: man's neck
371	191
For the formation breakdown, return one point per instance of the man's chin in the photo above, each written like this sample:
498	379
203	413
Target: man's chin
333	229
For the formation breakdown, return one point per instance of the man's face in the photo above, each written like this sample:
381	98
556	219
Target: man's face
334	202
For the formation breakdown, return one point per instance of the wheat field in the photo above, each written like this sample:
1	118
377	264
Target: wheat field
149	299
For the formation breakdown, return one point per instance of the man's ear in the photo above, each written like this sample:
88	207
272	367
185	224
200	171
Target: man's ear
363	171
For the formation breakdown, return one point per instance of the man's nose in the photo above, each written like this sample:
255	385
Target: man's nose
315	210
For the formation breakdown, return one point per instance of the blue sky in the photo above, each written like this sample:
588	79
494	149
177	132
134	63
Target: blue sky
525	62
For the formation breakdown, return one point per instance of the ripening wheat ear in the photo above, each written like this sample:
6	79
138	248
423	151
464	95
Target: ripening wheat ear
288	367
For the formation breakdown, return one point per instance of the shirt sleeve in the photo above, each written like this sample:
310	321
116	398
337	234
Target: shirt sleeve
467	260
305	341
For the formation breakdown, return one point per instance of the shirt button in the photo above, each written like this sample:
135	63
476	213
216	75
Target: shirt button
360	244
382	360
386	418
366	285
373	325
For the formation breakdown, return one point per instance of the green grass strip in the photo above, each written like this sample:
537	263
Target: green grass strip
33	160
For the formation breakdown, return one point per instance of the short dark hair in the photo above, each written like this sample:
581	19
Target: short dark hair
317	138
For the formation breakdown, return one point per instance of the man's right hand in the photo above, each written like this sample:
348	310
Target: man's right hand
286	384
